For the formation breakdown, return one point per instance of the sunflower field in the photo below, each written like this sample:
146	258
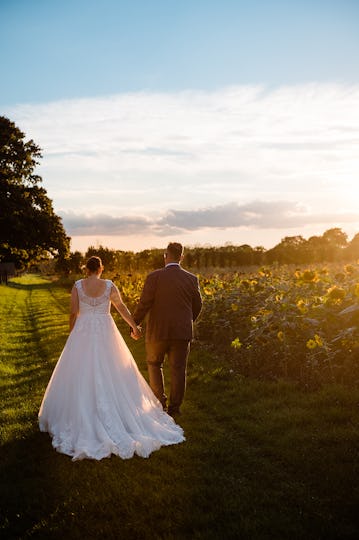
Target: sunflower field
278	322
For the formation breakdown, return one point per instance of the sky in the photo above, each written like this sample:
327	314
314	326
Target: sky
201	121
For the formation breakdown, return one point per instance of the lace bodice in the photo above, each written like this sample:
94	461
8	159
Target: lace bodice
96	305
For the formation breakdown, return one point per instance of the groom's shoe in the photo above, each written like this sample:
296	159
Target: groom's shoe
173	411
164	405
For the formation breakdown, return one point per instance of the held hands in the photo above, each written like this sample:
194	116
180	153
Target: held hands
136	332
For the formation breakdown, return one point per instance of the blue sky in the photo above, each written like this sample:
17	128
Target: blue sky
204	121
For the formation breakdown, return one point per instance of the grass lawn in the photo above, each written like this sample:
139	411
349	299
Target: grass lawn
261	460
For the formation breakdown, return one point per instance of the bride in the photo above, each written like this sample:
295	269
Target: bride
97	403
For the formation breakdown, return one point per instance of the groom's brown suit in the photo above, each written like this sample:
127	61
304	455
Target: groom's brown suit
172	300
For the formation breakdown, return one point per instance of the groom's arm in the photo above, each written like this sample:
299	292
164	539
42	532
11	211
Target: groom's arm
147	297
196	301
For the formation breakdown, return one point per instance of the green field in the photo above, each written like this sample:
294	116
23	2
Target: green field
262	460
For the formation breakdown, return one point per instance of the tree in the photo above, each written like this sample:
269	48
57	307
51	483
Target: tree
290	250
336	237
335	240
71	265
315	249
108	256
29	228
352	251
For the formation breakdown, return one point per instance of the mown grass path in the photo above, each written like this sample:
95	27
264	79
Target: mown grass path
261	460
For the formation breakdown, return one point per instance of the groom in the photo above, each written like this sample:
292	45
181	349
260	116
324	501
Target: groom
172	300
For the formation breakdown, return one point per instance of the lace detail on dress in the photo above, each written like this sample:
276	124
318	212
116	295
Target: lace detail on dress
93	300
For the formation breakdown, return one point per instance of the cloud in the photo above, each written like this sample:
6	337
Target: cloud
101	224
160	163
244	128
257	214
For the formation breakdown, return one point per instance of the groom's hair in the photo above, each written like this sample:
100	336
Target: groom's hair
175	250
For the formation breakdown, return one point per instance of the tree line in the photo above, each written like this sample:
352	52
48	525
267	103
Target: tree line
332	246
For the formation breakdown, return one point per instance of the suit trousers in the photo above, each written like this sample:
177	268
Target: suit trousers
177	351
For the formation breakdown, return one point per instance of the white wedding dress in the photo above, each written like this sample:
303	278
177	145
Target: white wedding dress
97	403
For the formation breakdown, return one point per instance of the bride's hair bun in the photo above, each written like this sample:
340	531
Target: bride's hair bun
94	264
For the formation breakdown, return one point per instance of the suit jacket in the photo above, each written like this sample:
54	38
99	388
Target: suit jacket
172	300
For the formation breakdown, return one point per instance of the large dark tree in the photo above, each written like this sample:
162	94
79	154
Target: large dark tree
29	228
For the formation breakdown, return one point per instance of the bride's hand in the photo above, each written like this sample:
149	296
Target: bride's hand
136	332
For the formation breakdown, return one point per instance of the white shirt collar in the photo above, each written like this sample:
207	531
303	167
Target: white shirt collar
172	264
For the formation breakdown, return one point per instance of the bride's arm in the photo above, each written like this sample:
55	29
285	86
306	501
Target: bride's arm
124	312
74	307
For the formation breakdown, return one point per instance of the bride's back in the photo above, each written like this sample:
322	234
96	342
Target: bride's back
92	303
94	287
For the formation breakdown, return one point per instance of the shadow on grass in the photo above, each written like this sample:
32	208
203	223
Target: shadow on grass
27	495
238	475
38	282
45	495
29	286
50	286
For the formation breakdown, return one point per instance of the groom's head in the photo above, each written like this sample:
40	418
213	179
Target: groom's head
174	252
